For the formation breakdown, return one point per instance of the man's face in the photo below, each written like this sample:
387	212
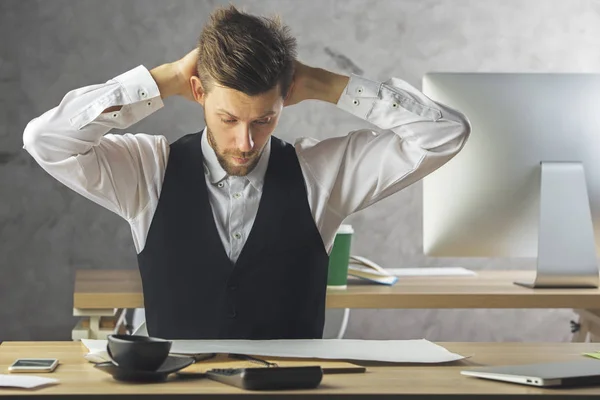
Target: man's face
239	125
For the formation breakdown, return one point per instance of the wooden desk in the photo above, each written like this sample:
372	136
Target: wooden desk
78	377
107	289
102	292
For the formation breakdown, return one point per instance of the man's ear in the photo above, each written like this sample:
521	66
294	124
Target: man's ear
286	100
290	90
198	90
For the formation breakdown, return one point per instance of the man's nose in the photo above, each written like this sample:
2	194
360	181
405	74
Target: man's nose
244	142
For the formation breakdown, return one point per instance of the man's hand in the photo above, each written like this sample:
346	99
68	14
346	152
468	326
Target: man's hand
186	68
174	78
299	90
314	84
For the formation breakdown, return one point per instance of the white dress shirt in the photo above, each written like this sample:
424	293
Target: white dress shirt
124	173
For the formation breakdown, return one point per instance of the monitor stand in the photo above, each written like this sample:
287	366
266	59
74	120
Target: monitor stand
566	247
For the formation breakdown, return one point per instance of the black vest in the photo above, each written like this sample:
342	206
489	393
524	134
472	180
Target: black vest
192	290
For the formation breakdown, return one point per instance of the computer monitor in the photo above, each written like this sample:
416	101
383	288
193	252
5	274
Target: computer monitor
527	182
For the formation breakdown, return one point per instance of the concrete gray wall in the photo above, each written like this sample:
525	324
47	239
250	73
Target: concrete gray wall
50	47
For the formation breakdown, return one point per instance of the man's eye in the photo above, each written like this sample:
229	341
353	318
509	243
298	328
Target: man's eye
228	121
263	121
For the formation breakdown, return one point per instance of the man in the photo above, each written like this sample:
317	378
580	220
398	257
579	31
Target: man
232	226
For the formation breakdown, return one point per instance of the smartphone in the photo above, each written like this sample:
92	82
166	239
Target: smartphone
34	365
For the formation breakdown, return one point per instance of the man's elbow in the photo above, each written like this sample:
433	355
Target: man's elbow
35	141
31	135
463	132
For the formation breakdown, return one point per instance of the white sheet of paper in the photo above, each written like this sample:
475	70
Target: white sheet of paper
24	381
97	350
412	351
443	271
94	345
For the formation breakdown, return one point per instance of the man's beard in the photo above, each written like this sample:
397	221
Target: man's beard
225	160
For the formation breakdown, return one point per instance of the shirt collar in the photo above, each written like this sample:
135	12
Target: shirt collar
216	173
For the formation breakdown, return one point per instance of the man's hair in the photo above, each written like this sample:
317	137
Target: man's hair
244	52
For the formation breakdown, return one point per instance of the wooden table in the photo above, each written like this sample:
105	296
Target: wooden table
106	292
78	377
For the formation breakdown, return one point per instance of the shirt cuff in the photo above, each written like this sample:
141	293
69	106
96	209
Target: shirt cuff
386	104
359	96
141	92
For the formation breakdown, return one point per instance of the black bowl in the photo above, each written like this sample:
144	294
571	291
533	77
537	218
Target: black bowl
138	353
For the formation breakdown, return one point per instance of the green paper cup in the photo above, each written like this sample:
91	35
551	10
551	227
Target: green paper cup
337	277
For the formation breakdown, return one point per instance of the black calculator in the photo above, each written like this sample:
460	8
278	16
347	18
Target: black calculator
274	378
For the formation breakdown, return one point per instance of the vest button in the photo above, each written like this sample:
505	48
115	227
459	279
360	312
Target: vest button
232	314
232	287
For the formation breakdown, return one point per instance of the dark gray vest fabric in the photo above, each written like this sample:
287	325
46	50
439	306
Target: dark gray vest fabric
275	290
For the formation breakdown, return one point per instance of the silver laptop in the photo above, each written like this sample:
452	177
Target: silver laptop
572	373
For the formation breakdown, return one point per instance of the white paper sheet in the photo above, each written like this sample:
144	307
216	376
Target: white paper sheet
24	381
94	345
443	271
97	350
412	351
